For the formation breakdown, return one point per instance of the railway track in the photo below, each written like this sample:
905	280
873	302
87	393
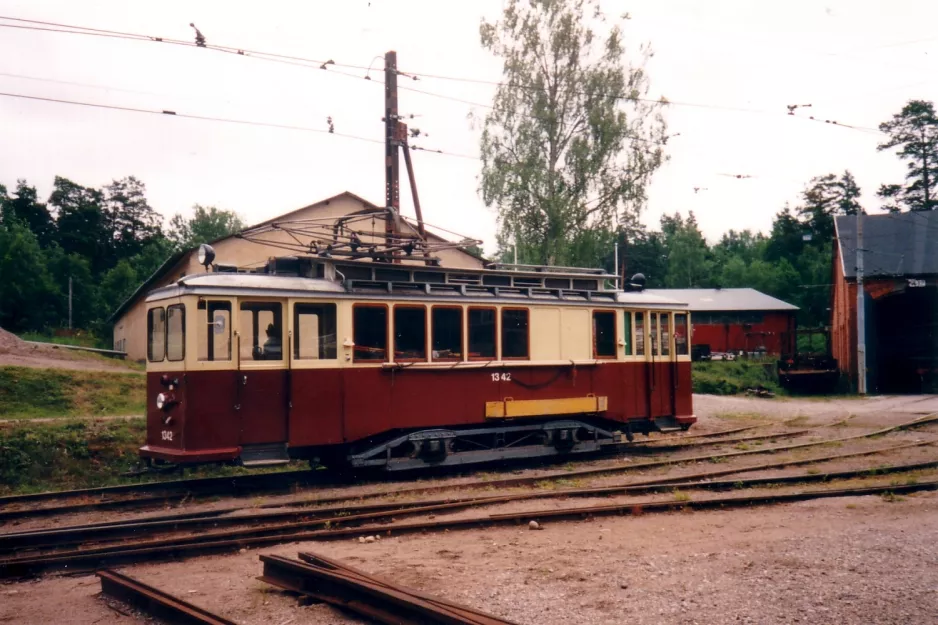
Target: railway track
111	531
346	524
158	494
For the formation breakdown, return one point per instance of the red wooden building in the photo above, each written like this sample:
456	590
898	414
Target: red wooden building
900	267
737	320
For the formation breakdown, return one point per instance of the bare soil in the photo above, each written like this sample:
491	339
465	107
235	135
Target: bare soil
847	560
15	352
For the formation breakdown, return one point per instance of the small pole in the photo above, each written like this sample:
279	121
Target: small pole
616	260
515	246
69	302
861	311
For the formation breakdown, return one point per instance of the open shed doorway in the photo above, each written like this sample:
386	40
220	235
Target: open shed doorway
905	352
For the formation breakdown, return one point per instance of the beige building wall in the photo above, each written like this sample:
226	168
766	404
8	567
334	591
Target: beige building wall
130	328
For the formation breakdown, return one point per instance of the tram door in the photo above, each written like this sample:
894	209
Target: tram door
262	389
660	366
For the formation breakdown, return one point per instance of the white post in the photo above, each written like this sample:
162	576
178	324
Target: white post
617	263
69	302
861	311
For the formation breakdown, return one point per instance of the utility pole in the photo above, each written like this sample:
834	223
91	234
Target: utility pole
861	311
69	302
392	186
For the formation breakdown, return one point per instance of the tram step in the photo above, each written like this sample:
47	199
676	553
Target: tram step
667	424
264	455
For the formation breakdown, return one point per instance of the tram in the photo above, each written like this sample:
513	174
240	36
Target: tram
383	364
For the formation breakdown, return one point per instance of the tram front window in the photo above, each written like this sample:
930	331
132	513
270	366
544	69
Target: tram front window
261	331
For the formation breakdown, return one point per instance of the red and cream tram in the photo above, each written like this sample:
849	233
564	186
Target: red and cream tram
399	366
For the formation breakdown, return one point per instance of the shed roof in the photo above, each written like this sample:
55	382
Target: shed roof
894	244
699	300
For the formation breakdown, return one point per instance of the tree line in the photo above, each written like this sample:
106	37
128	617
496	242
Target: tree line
573	139
106	240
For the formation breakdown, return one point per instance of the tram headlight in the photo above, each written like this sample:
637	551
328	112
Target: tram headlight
206	255
160	401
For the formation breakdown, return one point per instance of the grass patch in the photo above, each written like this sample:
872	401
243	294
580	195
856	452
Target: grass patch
80	338
34	393
37	457
733	377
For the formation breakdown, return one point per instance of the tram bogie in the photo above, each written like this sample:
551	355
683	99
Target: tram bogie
400	366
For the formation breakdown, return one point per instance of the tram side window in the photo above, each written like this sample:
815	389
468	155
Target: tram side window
214	331
627	332
447	333
639	334
261	326
156	334
482	333
314	335
410	333
680	334
604	334
370	332
176	332
665	334
653	332
514	333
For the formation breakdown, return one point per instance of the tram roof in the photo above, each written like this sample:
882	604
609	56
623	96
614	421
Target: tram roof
265	285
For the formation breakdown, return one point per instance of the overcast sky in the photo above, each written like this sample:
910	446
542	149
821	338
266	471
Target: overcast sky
855	61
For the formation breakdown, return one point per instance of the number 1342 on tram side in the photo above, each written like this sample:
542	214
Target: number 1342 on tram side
370	364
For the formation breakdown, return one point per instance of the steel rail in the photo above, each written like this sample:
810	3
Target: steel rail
83	561
155	602
357	592
182	489
222	541
111	532
322	561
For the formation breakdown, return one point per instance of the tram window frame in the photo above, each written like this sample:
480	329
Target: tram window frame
255	307
664	327
627	332
150	336
327	319
505	329
641	334
422	333
610	349
355	335
182	330
682	348
437	342
206	337
471	328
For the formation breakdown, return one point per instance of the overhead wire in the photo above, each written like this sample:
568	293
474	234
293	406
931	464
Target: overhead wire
324	64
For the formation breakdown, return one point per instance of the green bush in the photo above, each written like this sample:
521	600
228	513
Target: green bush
732	378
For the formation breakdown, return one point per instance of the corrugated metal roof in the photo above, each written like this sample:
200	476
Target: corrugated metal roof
894	244
699	300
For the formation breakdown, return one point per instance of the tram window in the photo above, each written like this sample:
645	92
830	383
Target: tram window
410	333
176	332
447	333
627	332
514	333
604	334
481	333
370	332
261	327
214	330
639	334
665	334
156	334
653	333
314	331
680	334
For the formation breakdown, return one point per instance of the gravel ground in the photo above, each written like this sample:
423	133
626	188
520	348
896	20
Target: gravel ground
848	560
